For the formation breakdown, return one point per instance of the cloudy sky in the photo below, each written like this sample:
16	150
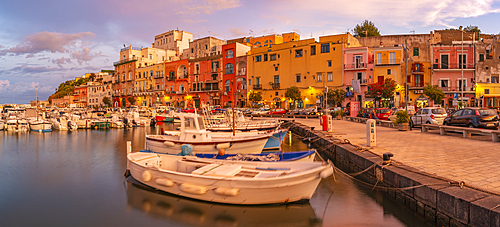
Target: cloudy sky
44	43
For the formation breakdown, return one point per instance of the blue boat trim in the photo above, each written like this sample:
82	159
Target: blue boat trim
286	156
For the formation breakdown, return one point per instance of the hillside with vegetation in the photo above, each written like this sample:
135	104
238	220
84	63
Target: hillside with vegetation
68	87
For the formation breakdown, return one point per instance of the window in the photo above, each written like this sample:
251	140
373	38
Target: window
277	80
329	76
276	93
416	51
392	57
272	57
258	81
325	48
319	77
226	86
313	50
298	53
228	69
486	91
494	78
462	60
214	76
379	58
481	57
265	57
229	54
215	66
444	83
276	68
329	63
258	58
249	81
388	71
297	78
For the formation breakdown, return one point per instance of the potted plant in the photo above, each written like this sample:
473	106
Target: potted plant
339	114
402	119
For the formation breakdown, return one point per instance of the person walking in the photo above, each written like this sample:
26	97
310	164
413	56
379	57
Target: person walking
373	115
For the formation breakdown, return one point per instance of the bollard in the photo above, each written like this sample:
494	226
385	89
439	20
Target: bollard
329	123
371	133
129	150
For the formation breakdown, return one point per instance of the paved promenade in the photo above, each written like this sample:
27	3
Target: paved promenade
474	161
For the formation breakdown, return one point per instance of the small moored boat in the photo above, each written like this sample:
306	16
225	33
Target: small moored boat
231	182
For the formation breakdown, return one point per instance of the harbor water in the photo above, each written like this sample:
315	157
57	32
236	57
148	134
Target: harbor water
75	178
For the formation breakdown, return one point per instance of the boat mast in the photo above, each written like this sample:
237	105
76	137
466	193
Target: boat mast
36	101
234	100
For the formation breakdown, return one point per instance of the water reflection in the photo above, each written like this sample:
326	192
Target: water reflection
197	213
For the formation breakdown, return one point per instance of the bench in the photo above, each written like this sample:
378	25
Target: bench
467	132
389	124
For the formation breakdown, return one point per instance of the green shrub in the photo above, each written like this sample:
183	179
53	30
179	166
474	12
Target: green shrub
339	113
402	117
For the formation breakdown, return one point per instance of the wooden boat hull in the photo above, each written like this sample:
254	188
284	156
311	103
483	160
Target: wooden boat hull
41	127
151	170
161	144
298	156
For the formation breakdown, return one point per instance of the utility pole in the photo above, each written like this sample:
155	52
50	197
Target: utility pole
406	75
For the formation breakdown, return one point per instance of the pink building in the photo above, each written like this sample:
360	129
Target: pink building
453	71
358	67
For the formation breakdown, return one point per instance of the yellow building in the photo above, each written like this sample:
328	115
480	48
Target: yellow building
488	94
307	64
143	87
388	63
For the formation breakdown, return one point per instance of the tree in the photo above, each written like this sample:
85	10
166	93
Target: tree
473	28
336	97
131	100
106	101
366	28
293	93
254	97
434	93
382	90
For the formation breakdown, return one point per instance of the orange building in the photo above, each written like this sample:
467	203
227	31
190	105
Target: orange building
177	83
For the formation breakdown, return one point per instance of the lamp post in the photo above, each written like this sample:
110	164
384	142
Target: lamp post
462	71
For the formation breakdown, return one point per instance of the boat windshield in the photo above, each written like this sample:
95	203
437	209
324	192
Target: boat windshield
200	122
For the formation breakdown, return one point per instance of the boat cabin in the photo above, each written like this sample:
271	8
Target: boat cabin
193	128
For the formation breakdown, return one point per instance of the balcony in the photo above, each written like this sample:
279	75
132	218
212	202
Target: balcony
124	61
257	87
453	66
170	78
386	62
457	89
354	66
276	85
363	82
417	68
180	92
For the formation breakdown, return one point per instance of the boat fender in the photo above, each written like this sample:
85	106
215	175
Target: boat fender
169	144
227	191
146	176
222	146
326	173
164	182
193	189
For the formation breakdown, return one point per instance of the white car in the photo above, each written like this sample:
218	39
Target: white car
261	111
428	115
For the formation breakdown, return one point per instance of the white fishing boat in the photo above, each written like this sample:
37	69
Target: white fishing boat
40	125
193	132
17	125
232	182
2	125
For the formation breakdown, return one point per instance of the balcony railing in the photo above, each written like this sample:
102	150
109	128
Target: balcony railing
453	66
126	60
180	92
257	87
276	85
355	66
381	62
362	82
457	88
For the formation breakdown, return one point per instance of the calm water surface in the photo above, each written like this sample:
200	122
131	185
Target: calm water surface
76	179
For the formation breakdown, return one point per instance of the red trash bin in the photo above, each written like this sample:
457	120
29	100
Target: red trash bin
325	122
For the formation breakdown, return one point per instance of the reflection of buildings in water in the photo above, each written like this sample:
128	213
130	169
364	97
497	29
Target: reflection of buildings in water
197	213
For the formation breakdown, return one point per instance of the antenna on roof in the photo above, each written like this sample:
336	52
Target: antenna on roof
413	31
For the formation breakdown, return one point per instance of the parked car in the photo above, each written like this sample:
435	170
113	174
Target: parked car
365	112
295	111
383	113
428	115
309	111
188	110
473	117
261	111
278	111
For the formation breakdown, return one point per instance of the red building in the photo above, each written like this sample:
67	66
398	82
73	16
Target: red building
234	78
177	83
80	96
205	76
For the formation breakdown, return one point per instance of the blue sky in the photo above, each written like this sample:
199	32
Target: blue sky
44	43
